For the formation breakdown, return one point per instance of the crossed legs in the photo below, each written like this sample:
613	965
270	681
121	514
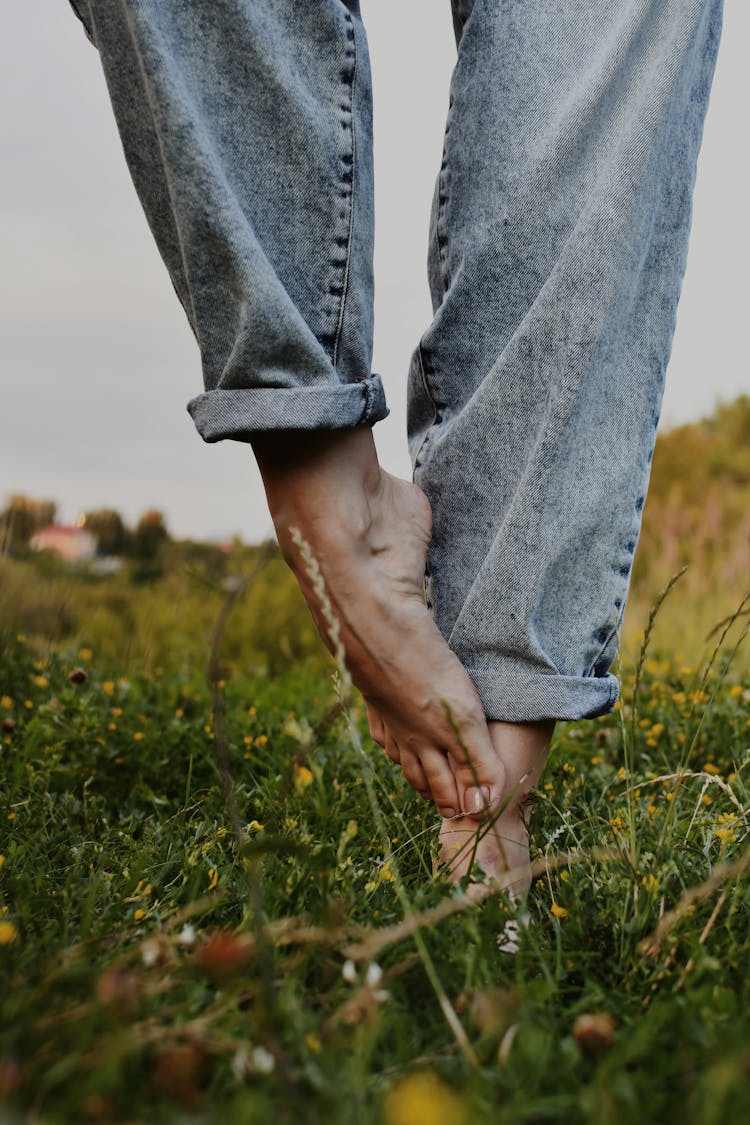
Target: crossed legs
557	245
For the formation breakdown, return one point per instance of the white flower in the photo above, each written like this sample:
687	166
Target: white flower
349	972
374	975
150	953
262	1061
186	935
240	1063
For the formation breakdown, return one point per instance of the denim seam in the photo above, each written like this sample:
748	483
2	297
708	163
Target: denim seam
441	241
350	234
590	671
424	445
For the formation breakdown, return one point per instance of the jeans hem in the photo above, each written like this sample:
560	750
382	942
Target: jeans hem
516	698
238	414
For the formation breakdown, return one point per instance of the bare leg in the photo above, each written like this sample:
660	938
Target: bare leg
501	845
369	533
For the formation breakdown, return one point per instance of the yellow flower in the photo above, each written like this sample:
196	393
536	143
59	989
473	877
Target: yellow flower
727	818
736	691
8	933
213	878
616	823
28	704
706	800
558	911
650	882
596	760
618	705
108	687
680	697
207	729
138	914
2	862
85	654
139	736
7	703
255	826
656	730
726	835
423	1099
711	768
221	833
386	875
302	778
41	681
251	711
111	726
622	773
313	1043
261	740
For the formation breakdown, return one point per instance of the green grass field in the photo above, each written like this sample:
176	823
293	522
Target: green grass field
218	905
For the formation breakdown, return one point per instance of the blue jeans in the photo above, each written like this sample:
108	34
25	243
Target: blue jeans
559	233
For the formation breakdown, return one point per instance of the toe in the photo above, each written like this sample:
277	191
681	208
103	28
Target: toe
480	779
391	748
414	773
441	781
377	726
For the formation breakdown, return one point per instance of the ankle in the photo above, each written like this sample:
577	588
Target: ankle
322	480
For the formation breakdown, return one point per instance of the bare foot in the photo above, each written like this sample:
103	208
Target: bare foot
369	533
499	845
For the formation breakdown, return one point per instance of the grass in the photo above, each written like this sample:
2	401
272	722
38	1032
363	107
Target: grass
218	905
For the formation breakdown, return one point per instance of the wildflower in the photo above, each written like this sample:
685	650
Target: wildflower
138	914
221	833
679	697
727	818
423	1099
558	911
255	826
207	729
186	935
709	767
656	730
111	726
251	711
374	975
116	711
85	654
736	691
302	778
11	816
8	933
213	878
706	800
616	823
622	773
349	972
138	736
726	835
221	955
386	875
650	882
28	704
108	687
261	740
6	703
594	1030
41	681
313	1043
2	862
261	1060
596	760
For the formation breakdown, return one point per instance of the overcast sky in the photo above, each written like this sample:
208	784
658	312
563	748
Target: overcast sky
96	356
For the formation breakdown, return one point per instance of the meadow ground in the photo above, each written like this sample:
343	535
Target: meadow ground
218	905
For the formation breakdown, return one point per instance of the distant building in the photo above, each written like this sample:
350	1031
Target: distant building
74	544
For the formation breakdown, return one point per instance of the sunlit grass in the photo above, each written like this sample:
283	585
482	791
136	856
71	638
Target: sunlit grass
159	959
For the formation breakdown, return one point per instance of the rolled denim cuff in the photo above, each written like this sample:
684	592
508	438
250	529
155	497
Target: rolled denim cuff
527	699
239	414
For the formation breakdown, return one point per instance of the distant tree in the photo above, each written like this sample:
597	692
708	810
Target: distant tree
149	536
23	516
110	531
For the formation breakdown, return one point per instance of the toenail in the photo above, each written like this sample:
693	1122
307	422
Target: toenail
476	800
447	812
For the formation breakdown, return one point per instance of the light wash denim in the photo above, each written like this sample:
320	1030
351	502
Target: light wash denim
558	239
